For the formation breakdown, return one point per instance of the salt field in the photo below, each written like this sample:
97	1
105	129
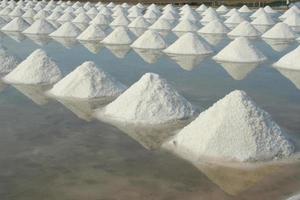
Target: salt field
122	101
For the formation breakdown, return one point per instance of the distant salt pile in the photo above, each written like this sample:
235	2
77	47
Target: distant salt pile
7	62
210	16
240	50
290	60
231	12
82	18
280	31
16	12
244	9
222	9
258	12
121	20
263	20
171	17
191	16
151	15
189	44
87	81
101	19
139	22
149	40
66	17
92	33
234	128
17	24
214	27
235	19
270	10
293	20
161	24
119	36
151	100
186	25
201	8
92	12
30	13
42	14
40	26
37	68
244	29
54	16
289	12
68	29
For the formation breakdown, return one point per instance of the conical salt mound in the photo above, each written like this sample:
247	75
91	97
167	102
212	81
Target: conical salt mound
66	17
290	60
186	25
280	31
151	100
244	29
68	29
17	24
139	22
189	44
235	19
101	19
37	68
161	24
234	128
293	20
263	20
149	40
240	50
87	81
214	27
244	9
92	33
120	21
7	62
119	36
40	26
82	18
222	9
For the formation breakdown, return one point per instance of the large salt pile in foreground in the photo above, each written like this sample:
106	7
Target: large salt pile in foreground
234	128
37	68
151	100
280	31
87	81
149	40
189	44
40	26
290	60
17	24
244	29
91	33
120	36
68	29
7	62
240	50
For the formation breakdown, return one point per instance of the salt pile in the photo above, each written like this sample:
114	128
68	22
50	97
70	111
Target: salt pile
66	17
37	68
40	26
92	33
235	19
30	13
42	14
17	12
244	9
244	29
3	22
120	21
7	62
263	20
17	24
87	81
280	31
82	18
214	27
101	19
270	10
139	22
293	20
231	12
234	128
54	16
189	44
68	29
258	13
201	8
186	25
240	50
222	9
120	36
151	100
211	16
191	16
290	60
161	24
149	40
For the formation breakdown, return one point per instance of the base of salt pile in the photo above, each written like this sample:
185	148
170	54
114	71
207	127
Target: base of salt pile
290	60
233	129
151	100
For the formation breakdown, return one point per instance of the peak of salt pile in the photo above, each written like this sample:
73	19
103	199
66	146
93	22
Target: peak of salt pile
234	118
263	20
231	12
289	12
30	13
293	20
66	17
240	50
201	8
42	14
121	20
290	60
68	29
244	9
92	33
161	24
189	44
211	16
209	10
139	22
92	12
270	10
151	100
17	24
7	62
186	25
37	68
169	16
280	31
40	26
235	19
151	15
191	16
82	18
101	19
17	12
54	16
258	12
5	11
222	9
134	13
119	36
149	40
244	29
214	27
87	81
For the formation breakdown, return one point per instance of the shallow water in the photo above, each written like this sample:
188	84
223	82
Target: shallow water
50	150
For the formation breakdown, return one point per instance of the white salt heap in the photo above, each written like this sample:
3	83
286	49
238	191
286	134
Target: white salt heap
40	26
119	36
101	19
234	128
280	31
149	40
17	24
66	17
91	33
189	44
7	62
87	81
293	20
68	29
244	9
235	19
54	16
214	27
82	18
240	50
290	60
120	21
161	24
186	25
139	22
222	9
244	29
30	13
263	20
151	100
37	68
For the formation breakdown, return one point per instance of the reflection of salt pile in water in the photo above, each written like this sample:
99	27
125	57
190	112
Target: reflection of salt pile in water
280	31
292	75
68	29
234	118
87	81
7	62
214	27
232	52
149	40
17	24
120	35
244	29
151	100
37	68
149	55
92	32
187	62
186	25
40	26
290	60
189	44
238	71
